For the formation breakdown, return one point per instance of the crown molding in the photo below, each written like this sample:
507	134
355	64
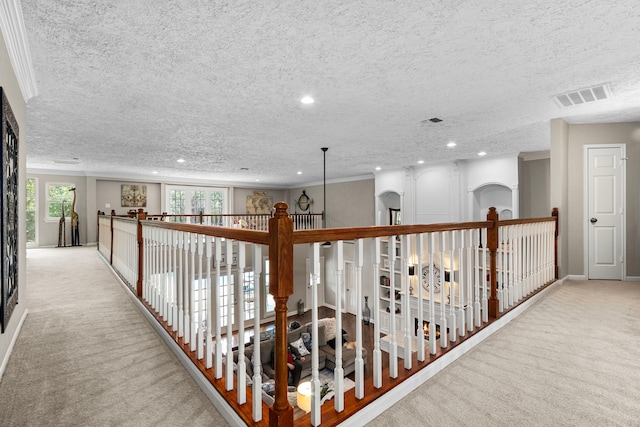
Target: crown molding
535	155
15	38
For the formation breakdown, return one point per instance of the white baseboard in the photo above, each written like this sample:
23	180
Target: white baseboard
633	278
5	359
576	277
371	411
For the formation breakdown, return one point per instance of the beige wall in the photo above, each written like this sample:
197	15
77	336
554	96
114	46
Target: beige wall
572	141
349	204
534	185
239	203
110	193
10	87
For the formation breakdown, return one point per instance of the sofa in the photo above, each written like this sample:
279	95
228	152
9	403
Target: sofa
326	351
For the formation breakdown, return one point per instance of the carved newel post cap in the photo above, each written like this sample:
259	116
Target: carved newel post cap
281	210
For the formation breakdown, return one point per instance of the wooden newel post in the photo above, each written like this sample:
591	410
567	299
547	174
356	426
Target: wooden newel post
281	286
554	213
492	245
113	213
141	216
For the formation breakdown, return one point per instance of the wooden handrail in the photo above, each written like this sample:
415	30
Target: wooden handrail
332	234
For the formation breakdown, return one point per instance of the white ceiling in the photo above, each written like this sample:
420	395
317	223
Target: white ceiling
128	87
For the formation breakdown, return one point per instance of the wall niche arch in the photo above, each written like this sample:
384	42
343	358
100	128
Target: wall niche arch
495	195
389	202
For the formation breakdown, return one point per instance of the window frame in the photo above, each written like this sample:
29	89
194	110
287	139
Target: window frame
48	185
188	190
35	212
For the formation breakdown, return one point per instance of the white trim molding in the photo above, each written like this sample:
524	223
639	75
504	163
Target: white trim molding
15	38
12	344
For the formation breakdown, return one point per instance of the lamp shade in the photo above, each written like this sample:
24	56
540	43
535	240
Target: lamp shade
304	396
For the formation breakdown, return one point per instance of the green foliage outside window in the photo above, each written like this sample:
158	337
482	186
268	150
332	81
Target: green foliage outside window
30	210
56	195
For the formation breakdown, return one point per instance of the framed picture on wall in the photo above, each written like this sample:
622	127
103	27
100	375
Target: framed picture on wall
134	196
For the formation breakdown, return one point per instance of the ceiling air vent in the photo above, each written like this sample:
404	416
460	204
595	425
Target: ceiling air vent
432	120
583	96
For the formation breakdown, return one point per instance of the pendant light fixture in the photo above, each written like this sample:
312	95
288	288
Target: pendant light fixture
324	189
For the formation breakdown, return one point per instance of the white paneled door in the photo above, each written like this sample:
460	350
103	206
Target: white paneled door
605	211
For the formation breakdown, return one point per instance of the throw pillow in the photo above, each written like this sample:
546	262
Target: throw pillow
329	326
306	339
299	345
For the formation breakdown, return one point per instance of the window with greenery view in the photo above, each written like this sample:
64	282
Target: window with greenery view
30	210
195	200
56	195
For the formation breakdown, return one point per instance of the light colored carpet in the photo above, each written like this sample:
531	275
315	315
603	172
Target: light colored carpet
87	357
573	359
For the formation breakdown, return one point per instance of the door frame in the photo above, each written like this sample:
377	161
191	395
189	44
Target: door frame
623	158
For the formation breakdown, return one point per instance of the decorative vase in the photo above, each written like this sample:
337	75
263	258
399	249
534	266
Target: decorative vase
366	311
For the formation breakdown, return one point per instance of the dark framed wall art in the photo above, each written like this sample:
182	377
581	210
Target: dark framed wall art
9	207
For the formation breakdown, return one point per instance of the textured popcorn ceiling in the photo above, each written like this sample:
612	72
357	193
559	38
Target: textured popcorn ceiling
128	87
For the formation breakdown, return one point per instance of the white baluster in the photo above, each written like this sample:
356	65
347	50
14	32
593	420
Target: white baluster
393	345
479	279
186	301
338	372
510	259
452	298
471	250
170	278
377	353
418	275
314	261
201	311
499	271
485	306
406	306
359	362
180	282
230	284
242	367
257	366
163	274
443	306
460	314
210	303
218	311
176	273
192	292
433	327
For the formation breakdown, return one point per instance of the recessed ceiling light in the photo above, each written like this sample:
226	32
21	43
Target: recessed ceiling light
299	172
244	169
482	153
307	100
451	144
257	180
420	162
154	172
180	160
378	168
